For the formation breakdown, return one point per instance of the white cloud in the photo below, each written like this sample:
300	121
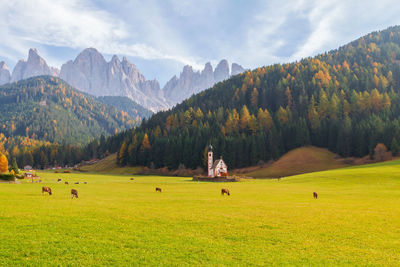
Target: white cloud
191	32
70	23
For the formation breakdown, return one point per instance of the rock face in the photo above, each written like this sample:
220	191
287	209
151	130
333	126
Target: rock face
90	73
34	66
5	76
221	72
191	82
236	69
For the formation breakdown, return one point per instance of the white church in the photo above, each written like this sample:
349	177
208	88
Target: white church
217	168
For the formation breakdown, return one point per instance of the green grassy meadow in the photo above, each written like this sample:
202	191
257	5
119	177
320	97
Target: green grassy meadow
116	221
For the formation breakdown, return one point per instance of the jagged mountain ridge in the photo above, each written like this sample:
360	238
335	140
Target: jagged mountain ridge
89	72
92	74
192	82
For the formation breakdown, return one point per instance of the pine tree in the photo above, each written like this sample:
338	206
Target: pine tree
394	147
14	166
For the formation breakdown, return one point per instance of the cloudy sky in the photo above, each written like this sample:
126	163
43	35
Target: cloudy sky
162	36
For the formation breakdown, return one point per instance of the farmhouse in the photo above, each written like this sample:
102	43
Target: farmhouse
27	168
217	168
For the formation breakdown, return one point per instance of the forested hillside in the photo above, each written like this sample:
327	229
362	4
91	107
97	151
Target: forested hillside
45	109
346	100
134	110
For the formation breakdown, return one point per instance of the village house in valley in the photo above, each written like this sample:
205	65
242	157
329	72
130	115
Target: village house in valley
217	168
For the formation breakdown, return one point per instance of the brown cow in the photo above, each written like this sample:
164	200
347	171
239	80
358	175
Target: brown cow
132	179
85	182
66	182
59	180
315	195
46	189
158	189
74	193
77	183
225	191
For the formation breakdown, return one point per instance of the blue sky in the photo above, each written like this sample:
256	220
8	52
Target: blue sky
162	36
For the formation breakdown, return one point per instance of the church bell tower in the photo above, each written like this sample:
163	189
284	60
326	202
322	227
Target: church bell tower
210	162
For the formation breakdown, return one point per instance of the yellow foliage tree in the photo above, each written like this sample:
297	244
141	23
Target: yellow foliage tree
145	144
3	164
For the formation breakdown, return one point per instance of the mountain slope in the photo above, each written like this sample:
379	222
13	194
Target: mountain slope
346	100
46	108
126	104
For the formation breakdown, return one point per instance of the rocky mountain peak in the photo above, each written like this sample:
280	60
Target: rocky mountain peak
33	54
34	66
221	72
4	66
236	69
115	59
208	69
4	73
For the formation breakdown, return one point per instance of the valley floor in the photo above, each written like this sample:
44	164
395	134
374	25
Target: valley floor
118	221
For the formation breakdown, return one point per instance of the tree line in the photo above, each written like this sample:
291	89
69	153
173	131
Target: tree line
346	100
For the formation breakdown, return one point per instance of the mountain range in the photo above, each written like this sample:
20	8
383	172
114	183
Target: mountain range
192	82
89	72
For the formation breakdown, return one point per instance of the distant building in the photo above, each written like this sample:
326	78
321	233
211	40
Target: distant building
218	167
27	168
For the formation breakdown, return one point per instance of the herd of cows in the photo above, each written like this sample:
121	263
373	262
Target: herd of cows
74	192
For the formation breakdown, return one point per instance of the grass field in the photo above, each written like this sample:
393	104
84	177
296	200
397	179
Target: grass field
300	160
115	221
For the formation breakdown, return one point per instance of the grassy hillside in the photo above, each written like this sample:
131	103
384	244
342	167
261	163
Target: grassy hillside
117	221
109	165
298	161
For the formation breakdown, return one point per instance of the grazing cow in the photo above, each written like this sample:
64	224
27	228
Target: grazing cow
46	189
74	193
132	179
59	180
158	189
66	182
85	182
225	191
315	195
77	183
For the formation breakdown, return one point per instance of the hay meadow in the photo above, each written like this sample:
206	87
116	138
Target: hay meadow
118	221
